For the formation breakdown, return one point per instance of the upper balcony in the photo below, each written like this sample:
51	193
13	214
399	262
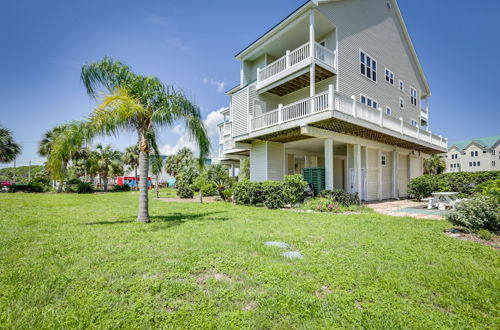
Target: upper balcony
291	71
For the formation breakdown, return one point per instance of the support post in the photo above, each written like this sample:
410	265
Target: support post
379	175
381	117
401	119
280	113
312	85
430	137
258	74
418	132
312	37
357	169
331	97
287	60
328	164
353	106
395	170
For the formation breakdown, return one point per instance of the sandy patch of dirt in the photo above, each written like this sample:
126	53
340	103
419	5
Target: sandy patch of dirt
460	234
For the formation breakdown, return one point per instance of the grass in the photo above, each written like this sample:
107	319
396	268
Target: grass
82	261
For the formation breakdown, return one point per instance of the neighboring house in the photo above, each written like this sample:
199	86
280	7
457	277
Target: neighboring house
364	118
482	154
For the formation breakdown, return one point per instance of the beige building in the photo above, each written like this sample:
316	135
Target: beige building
335	85
482	154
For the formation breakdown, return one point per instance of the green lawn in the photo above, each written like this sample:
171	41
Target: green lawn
82	261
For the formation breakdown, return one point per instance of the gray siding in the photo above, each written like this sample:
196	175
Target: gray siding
369	25
239	103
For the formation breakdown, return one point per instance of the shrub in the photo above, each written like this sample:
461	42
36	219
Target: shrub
33	187
294	187
185	191
326	204
84	188
249	193
341	197
486	235
481	212
228	194
461	182
274	194
209	189
489	188
122	188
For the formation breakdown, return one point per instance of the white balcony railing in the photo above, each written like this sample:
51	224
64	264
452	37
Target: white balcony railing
294	57
330	101
227	128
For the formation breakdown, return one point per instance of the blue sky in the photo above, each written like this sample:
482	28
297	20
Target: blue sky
192	44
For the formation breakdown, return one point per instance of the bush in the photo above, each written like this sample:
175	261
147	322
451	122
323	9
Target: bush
32	187
249	193
462	182
208	189
341	197
84	188
489	188
486	235
481	212
274	194
185	191
294	189
122	188
326	204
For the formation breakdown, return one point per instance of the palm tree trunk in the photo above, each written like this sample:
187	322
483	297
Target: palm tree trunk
105	183
157	187
143	215
135	178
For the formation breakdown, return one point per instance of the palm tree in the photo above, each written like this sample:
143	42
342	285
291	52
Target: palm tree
434	165
141	104
156	168
131	157
61	145
9	149
109	162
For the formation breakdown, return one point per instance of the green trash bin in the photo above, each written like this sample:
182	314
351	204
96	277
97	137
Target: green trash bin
316	177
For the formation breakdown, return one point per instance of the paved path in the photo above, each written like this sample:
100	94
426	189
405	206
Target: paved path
406	207
186	200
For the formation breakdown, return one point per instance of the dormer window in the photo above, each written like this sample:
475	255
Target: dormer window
368	66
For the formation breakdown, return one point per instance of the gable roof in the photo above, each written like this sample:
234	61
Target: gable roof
315	3
485	142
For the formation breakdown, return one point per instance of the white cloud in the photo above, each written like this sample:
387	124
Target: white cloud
158	20
177	44
216	83
184	139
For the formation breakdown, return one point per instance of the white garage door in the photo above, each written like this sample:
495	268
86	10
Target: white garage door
403	176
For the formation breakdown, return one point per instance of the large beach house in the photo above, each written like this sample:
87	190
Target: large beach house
481	154
336	85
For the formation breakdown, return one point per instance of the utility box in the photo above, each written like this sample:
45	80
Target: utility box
316	177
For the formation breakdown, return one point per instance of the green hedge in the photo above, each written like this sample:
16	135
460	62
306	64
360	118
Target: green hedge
341	197
462	182
272	194
35	187
480	212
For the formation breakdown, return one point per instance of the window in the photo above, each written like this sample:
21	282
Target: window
493	152
478	163
413	96
389	76
474	153
401	103
470	163
388	111
383	160
323	43
368	66
368	101
493	163
401	86
413	122
454	156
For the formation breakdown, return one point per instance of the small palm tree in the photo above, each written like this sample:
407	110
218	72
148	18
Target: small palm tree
9	149
131	157
141	104
62	145
434	165
156	168
109	162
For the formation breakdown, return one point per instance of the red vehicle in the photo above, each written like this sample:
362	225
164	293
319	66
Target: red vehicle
5	184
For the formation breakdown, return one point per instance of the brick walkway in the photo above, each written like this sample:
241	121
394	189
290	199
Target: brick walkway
406	207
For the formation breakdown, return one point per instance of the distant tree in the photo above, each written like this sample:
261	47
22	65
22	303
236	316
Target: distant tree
131	157
9	149
141	104
175	163
109	163
434	165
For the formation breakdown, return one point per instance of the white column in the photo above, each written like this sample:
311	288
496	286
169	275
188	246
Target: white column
312	69
232	170
329	164
395	170
379	174
307	163
357	169
312	37
331	97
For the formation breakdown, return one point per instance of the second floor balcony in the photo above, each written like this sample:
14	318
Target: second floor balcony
291	71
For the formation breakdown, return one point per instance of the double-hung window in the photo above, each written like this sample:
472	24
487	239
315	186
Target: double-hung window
413	96
388	111
401	86
368	101
368	66
389	76
401	103
383	159
413	122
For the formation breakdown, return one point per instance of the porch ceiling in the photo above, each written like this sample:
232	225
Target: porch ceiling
300	82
